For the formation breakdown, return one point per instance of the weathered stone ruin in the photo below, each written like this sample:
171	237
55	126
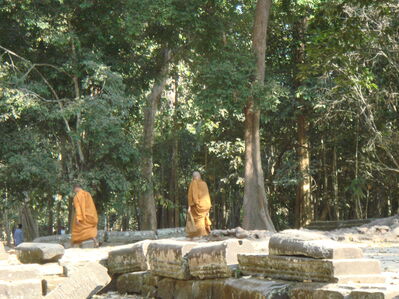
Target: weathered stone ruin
300	264
228	264
39	253
303	256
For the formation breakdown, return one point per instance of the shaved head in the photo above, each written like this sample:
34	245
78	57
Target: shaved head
196	175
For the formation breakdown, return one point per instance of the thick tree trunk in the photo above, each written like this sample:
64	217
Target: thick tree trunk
29	223
303	203
304	210
148	217
256	211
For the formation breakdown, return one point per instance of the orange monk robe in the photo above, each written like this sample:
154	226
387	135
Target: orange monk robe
200	204
86	213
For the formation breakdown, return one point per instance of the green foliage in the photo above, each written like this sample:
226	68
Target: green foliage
74	76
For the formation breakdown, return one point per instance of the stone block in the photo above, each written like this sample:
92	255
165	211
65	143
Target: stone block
84	280
50	269
303	268
128	258
129	236
19	272
88	244
166	233
142	282
243	288
39	252
298	243
248	288
217	259
64	240
21	289
168	258
338	291
318	291
384	291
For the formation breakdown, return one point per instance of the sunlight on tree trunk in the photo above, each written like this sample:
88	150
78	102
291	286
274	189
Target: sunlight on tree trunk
304	210
303	203
255	206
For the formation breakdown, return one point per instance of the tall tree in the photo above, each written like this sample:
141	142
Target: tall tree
148	217
303	200
256	212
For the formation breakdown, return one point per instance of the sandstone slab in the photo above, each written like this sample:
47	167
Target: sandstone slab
129	236
19	272
175	232
338	291
168	258
142	282
64	240
21	289
303	268
39	252
128	258
243	288
84	280
298	243
88	244
217	259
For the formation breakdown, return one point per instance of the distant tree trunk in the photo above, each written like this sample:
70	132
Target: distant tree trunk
335	183
358	205
148	217
50	221
29	223
58	214
71	214
255	207
326	208
6	220
304	210
173	185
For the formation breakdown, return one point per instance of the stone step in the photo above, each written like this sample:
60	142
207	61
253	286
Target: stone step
303	268
128	258
299	243
217	259
19	272
21	289
29	271
39	253
168	258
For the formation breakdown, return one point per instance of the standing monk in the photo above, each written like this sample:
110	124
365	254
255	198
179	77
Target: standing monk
199	204
84	225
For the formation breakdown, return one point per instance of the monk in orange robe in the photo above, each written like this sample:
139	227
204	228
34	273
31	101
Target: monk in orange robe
199	204
84	226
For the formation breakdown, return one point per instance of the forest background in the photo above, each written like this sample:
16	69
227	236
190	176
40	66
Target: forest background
130	97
